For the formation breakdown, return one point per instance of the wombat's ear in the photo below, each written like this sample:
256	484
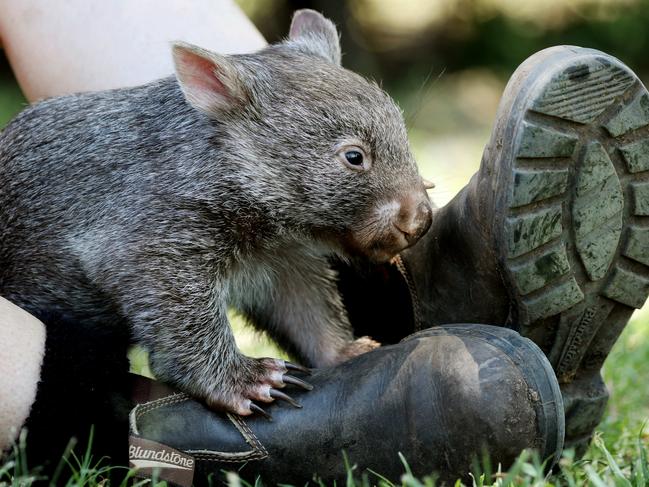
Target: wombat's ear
211	82
314	34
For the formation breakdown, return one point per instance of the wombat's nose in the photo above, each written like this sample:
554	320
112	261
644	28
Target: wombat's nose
414	219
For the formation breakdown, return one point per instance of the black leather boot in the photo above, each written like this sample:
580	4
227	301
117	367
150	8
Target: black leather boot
551	236
440	397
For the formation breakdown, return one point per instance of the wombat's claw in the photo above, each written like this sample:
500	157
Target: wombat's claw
256	409
297	368
289	379
275	394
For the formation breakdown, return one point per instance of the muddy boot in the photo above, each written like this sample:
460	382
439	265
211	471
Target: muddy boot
551	236
442	398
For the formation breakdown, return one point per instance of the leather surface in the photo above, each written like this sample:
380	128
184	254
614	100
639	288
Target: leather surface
438	397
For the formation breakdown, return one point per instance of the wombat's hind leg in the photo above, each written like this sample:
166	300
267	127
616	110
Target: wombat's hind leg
357	347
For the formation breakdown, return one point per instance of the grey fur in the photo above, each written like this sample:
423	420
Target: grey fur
132	208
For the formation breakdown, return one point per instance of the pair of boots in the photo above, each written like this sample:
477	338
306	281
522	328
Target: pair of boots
549	242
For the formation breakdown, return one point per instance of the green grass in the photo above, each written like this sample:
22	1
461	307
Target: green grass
11	99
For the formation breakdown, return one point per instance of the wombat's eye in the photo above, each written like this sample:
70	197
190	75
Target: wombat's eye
354	157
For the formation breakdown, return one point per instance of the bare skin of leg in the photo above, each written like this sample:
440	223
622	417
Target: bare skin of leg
58	48
23	342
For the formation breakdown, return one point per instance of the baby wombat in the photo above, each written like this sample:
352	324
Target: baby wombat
230	184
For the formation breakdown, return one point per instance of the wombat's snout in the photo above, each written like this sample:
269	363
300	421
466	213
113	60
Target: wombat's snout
392	226
414	217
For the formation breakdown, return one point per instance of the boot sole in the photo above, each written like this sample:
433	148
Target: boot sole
572	187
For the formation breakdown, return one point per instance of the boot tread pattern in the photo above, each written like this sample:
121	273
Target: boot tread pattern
583	92
577	232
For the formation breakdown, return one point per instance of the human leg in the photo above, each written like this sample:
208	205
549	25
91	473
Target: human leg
61	48
23	344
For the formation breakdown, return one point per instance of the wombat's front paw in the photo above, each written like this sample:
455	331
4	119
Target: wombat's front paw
357	347
261	381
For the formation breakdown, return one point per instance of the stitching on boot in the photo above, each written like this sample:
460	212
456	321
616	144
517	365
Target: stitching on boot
158	403
414	298
141	409
258	451
249	435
